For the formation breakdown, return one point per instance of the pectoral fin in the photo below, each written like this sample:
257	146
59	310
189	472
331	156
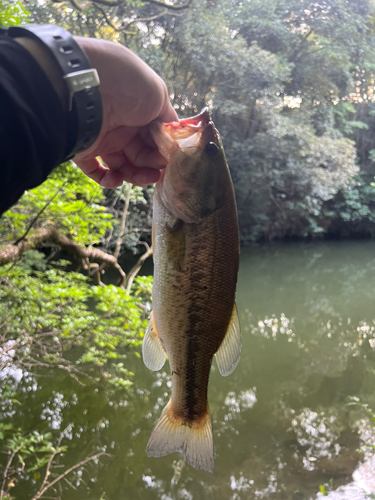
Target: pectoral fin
152	351
228	354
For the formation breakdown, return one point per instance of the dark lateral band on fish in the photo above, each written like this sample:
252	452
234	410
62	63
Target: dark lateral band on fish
196	255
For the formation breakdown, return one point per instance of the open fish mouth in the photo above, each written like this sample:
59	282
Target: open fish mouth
169	137
187	127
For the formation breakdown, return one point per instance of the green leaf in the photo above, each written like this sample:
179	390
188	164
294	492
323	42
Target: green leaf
358	124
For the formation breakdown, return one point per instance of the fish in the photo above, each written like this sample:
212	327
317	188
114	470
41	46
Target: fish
196	248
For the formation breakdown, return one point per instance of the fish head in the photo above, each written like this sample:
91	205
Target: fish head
194	182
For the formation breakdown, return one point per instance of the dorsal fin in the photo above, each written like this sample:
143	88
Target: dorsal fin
229	352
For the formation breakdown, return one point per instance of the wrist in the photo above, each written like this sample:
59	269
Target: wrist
69	71
49	66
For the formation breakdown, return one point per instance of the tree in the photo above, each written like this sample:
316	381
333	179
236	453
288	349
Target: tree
56	318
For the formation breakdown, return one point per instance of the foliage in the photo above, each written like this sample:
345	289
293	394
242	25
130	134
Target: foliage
289	84
275	75
45	313
53	318
326	487
352	211
26	449
292	173
73	207
34	456
290	88
48	309
355	401
12	12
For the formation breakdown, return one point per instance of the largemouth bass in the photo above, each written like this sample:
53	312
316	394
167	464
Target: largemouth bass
196	255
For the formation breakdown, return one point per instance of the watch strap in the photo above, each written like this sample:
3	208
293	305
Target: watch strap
85	106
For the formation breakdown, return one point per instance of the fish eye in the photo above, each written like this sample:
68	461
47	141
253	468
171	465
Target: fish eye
211	149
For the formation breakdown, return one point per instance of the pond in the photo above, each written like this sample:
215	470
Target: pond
289	423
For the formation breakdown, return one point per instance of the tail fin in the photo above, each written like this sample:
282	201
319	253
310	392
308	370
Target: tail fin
194	440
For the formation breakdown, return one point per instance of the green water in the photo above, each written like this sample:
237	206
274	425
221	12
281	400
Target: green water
282	427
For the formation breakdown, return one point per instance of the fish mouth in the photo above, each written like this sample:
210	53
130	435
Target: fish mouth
188	126
183	135
190	132
203	118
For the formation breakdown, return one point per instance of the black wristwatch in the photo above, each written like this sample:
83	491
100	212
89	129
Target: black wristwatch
85	114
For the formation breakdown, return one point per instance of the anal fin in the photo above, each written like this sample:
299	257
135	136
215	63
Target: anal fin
229	352
153	354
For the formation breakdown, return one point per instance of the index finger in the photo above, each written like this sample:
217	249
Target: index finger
167	113
114	177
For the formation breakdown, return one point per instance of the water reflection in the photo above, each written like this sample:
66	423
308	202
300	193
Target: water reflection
282	427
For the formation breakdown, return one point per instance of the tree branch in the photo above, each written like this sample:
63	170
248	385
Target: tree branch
137	230
47	486
137	267
160	3
124	215
299	50
152	18
109	4
3	493
276	203
40	213
107	19
76	5
9	253
69	368
172	7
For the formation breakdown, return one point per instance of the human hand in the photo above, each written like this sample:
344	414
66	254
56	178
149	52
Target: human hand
133	95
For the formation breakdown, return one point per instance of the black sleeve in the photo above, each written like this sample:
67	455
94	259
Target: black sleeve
33	128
